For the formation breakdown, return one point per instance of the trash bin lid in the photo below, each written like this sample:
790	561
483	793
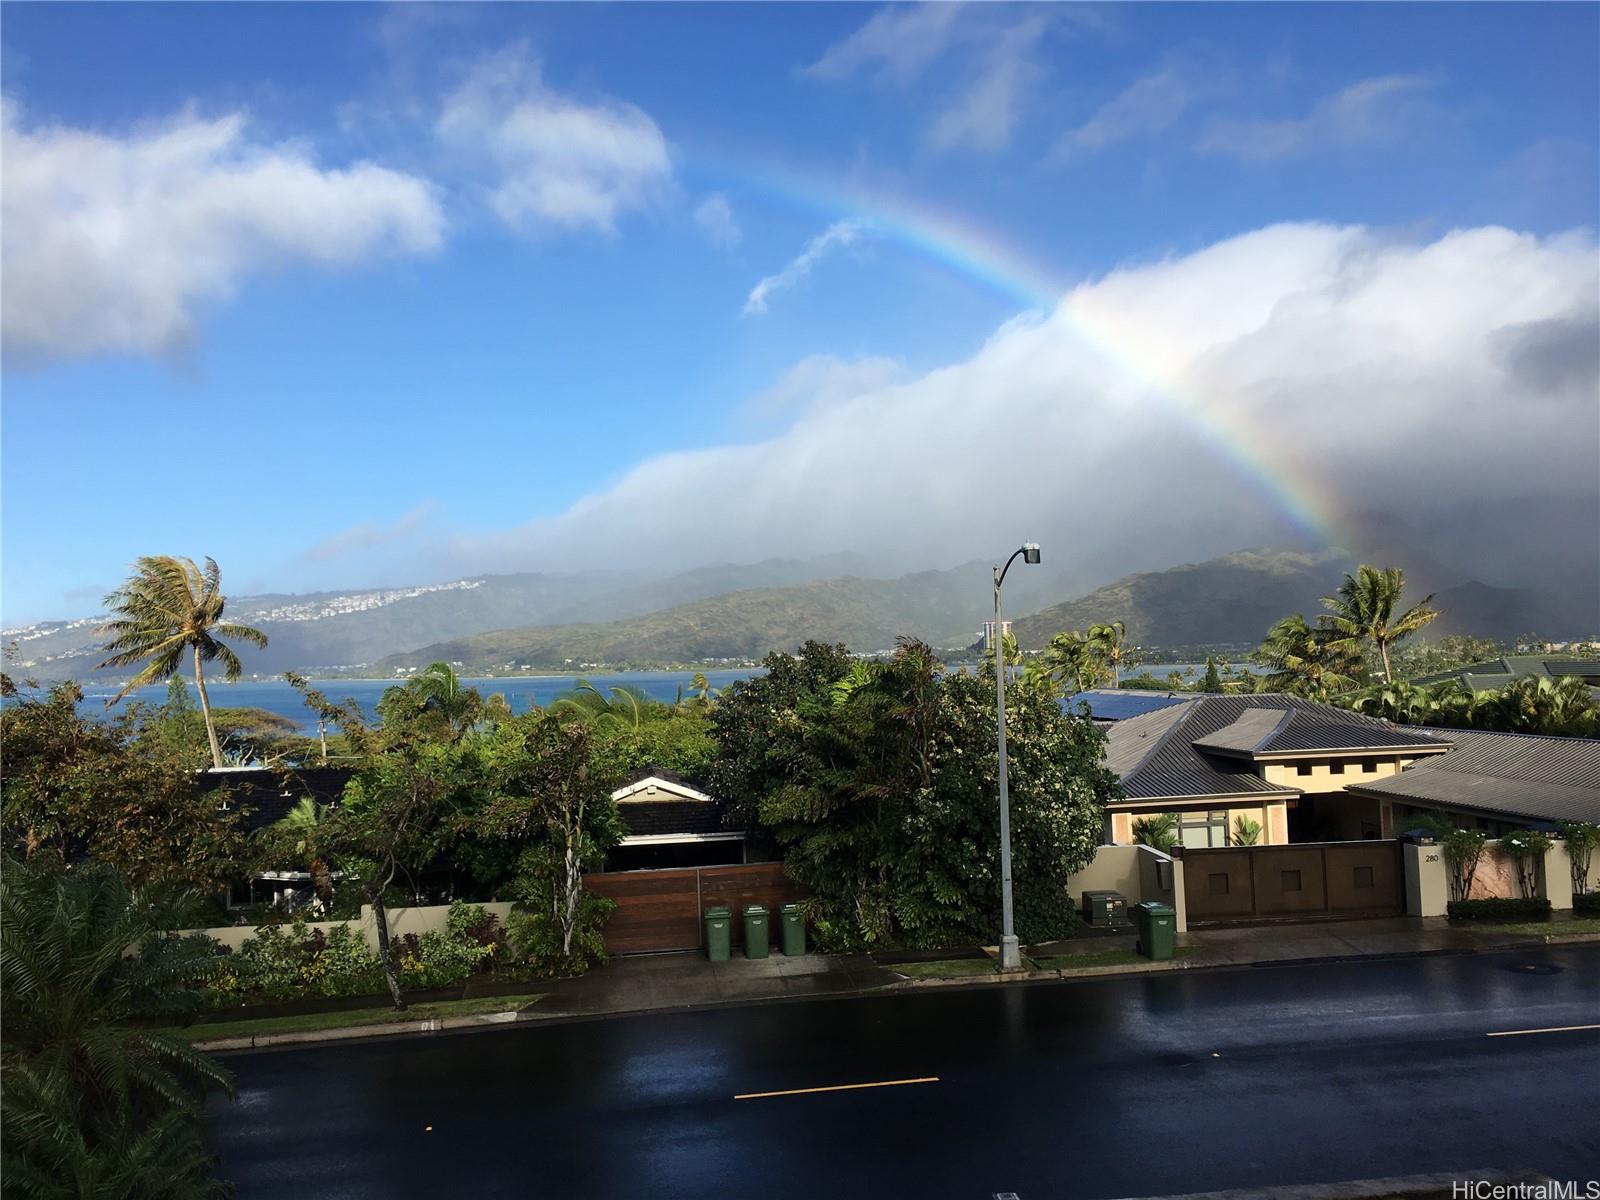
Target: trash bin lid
792	907
755	910
718	911
1156	909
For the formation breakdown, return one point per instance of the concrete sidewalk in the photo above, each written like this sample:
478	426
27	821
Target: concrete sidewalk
664	982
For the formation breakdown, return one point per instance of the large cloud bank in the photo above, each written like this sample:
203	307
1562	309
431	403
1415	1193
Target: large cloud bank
112	243
1379	379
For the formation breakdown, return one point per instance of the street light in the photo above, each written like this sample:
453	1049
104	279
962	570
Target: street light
1010	952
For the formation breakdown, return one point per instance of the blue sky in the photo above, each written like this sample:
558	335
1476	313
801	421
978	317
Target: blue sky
348	294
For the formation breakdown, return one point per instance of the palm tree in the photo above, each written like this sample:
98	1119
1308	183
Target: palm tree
1072	661
435	696
590	706
1364	610
305	822
1307	661
1107	639
97	1101
167	606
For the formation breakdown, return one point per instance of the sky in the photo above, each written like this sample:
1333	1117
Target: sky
355	295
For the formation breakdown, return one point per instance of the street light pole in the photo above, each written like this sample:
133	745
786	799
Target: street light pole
1010	951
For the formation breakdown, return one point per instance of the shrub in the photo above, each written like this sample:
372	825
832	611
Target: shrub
1498	910
1463	850
1527	849
1158	832
1246	832
1582	839
534	935
1586	902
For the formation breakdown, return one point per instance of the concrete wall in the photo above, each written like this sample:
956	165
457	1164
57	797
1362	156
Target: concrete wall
1428	878
401	922
1136	872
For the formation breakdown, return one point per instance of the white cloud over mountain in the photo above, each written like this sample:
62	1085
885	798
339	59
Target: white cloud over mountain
113	243
1365	372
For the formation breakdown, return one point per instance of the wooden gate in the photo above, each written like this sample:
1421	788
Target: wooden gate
664	910
1313	881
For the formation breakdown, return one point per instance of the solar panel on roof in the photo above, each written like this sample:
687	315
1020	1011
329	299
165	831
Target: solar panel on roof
1119	706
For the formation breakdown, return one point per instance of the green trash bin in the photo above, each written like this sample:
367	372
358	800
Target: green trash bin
755	931
794	929
1157	923
719	934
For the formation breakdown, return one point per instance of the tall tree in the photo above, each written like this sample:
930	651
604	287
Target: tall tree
1107	638
167	607
1307	660
1364	610
435	701
1073	662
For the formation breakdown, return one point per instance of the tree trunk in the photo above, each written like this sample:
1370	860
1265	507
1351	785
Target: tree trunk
321	879
205	711
322	736
380	918
1383	649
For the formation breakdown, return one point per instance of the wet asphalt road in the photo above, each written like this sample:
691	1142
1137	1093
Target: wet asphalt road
1129	1086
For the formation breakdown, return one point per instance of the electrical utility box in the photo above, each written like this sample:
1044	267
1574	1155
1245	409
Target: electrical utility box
1106	910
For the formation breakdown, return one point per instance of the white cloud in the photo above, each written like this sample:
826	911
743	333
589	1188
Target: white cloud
983	117
112	243
898	43
1149	105
715	218
1379	109
821	380
369	535
840	233
1371	371
553	161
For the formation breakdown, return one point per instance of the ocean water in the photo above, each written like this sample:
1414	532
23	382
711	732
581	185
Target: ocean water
522	691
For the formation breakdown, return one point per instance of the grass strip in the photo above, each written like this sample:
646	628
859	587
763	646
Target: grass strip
945	968
353	1018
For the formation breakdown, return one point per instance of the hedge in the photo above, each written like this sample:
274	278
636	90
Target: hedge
1586	902
1498	910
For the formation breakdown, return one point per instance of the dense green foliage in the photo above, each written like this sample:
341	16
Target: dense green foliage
1498	909
95	1102
1583	839
878	781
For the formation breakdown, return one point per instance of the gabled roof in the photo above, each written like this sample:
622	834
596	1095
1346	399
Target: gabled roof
642	781
1204	746
1516	775
661	806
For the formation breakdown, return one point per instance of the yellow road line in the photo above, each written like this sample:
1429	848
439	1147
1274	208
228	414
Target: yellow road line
838	1087
1554	1029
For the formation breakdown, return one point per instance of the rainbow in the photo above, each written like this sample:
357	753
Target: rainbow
979	255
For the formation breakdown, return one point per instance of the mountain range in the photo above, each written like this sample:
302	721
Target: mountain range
741	611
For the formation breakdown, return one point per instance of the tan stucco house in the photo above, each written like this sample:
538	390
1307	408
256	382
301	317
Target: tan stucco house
1282	762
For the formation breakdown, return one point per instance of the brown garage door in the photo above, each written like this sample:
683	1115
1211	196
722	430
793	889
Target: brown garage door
1315	881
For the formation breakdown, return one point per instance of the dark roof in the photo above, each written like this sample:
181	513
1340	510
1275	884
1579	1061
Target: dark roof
270	793
1268	731
1196	747
1117	704
656	817
640	774
1496	673
1507	774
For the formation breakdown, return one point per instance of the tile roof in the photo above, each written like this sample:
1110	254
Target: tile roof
1496	673
1508	774
657	817
1193	748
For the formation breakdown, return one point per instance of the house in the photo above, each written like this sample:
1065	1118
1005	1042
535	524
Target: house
671	821
1496	782
1497	673
1281	762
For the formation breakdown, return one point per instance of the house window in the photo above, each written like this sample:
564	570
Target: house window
1303	769
1370	767
1291	881
1336	768
1202	830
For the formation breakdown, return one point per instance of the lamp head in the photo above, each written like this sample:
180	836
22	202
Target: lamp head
1030	552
